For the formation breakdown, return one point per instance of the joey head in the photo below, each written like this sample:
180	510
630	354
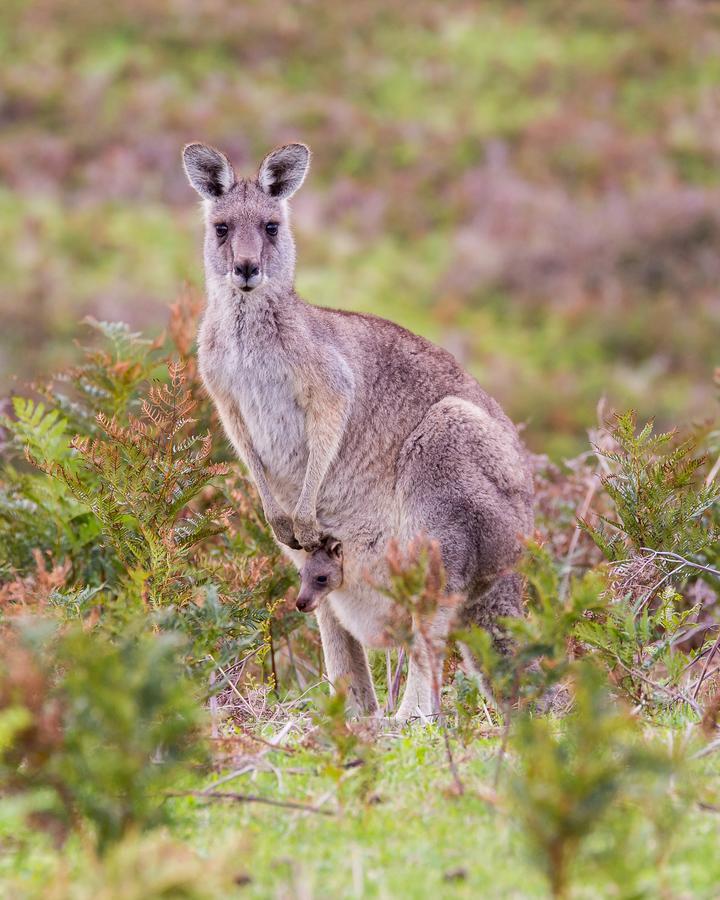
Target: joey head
321	573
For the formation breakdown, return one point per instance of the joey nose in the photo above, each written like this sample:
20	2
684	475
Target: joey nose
305	604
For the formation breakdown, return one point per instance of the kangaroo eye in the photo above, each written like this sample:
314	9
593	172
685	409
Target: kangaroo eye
272	228
221	229
321	579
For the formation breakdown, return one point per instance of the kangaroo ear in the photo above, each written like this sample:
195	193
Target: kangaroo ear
208	170
334	548
283	170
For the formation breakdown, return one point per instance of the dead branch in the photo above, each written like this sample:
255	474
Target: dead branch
251	798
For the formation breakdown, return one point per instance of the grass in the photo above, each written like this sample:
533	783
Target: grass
380	848
399	831
418	841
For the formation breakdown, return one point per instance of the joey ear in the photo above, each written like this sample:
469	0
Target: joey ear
334	548
283	170
208	170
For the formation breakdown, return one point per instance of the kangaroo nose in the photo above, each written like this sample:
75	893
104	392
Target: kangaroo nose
246	268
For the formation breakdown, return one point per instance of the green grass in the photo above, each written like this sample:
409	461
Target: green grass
407	841
401	832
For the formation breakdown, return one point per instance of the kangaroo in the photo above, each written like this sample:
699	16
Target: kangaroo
322	573
354	427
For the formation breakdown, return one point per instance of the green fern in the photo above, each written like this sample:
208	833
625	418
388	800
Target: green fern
660	502
138	479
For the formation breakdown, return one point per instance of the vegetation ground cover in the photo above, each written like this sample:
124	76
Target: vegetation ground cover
161	699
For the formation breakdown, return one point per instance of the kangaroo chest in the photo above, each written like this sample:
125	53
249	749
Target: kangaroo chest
265	398
251	381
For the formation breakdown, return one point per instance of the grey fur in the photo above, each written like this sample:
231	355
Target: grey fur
353	427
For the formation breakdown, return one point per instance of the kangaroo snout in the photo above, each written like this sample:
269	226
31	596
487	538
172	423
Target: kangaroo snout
306	604
246	274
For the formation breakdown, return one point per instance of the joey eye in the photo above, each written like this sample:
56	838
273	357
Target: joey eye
321	579
272	228
221	230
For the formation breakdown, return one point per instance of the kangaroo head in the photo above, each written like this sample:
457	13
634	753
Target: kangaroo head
322	573
248	242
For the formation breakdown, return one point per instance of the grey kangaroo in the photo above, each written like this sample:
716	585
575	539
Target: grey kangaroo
353	427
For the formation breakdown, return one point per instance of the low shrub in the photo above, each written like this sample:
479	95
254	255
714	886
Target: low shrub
96	729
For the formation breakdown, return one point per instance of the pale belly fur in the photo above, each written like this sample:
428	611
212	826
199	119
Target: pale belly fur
276	425
365	613
259	390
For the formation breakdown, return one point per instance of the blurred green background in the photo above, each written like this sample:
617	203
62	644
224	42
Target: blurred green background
534	185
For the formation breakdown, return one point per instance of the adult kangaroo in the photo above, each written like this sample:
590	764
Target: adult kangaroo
353	427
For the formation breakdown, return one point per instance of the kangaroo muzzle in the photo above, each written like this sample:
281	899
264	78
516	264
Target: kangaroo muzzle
306	603
246	274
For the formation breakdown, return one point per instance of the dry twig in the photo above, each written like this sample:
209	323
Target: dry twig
251	798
